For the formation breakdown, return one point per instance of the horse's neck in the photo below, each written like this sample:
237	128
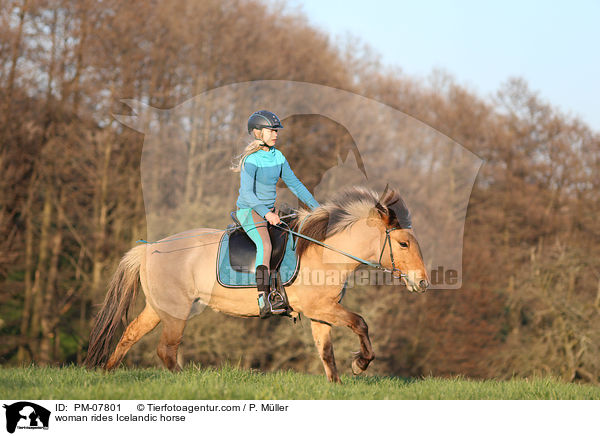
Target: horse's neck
360	240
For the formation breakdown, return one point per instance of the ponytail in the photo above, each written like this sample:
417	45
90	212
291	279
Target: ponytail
238	162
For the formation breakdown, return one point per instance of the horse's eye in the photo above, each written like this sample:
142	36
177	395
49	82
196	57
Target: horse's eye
404	244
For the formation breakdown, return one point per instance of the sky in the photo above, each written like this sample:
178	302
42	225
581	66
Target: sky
552	45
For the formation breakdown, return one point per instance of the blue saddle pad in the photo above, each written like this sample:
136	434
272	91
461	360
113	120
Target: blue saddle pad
230	278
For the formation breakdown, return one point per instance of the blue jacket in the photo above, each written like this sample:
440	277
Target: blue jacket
259	175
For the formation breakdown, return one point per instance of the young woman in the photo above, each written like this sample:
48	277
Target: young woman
260	166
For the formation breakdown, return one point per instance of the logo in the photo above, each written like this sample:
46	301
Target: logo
187	179
26	415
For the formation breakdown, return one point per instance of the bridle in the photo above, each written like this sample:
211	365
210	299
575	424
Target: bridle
388	241
379	265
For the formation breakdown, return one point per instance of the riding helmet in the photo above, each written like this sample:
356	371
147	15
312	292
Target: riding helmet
263	119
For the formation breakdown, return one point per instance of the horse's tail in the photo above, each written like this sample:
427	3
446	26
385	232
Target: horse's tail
121	293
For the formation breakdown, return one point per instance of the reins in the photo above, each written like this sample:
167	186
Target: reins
351	256
379	266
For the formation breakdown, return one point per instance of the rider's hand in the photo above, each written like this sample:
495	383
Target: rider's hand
272	218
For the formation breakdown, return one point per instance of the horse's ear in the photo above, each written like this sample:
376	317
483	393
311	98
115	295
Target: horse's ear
378	214
389	197
385	191
381	209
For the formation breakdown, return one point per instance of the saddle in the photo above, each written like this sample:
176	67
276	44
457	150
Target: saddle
242	258
237	254
242	250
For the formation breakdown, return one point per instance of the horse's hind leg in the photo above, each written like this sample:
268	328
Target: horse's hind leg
144	323
322	336
169	342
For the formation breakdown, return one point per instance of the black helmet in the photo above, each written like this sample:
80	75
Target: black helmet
263	119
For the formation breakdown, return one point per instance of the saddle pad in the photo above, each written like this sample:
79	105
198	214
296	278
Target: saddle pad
230	278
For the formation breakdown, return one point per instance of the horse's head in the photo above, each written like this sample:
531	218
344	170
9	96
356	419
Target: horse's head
400	251
386	217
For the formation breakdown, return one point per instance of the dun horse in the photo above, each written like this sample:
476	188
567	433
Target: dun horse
356	222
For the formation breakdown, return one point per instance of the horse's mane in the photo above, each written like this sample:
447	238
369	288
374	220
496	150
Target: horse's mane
345	209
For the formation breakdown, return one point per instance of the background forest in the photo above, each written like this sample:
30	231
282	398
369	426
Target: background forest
71	201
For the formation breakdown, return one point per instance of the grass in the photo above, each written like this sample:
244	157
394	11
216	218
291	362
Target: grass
229	383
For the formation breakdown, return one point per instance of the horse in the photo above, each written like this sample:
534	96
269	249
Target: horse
336	236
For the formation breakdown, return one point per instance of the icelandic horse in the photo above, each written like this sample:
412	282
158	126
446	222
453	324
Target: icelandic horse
178	276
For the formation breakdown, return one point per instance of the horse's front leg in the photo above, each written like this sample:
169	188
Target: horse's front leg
340	316
362	358
322	336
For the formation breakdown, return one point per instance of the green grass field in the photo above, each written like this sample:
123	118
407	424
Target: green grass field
231	383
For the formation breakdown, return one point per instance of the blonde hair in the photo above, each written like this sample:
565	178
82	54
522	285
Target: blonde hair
253	147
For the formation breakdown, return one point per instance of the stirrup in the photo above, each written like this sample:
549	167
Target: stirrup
277	297
276	302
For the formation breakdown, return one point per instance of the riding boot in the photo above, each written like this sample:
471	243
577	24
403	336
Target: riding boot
262	285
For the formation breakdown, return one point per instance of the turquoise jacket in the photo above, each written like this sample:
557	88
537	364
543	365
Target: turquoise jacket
258	177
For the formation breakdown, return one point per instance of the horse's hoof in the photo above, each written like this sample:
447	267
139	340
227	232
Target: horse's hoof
356	370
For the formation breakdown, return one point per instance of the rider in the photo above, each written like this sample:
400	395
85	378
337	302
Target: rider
260	166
